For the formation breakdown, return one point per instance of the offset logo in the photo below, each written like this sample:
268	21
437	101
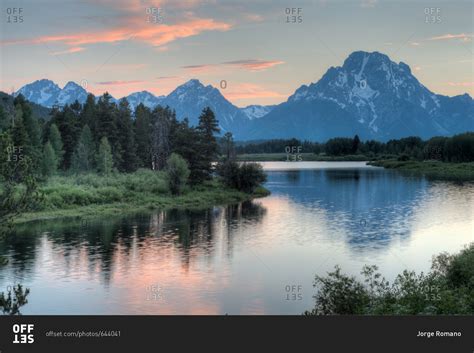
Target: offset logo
23	333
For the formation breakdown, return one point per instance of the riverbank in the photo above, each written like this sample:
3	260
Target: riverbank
91	195
302	157
432	169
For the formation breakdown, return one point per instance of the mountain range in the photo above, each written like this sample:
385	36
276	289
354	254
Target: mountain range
369	95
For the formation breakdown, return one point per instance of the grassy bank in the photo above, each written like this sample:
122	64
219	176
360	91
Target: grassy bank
305	157
92	195
432	169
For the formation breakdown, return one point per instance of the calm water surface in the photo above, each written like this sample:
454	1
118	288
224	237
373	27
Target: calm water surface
257	257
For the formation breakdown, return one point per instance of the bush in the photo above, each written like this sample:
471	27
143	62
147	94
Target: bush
448	289
177	172
246	177
403	158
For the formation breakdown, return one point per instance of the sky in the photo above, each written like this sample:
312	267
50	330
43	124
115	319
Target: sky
249	49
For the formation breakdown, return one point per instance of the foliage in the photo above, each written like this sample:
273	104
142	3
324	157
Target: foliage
11	303
83	159
49	162
56	142
244	177
457	149
18	192
104	157
177	172
446	290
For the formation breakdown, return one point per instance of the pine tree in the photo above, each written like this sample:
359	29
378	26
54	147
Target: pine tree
107	126
32	147
207	148
88	116
104	157
84	154
49	162
143	135
160	137
128	162
56	142
355	144
69	127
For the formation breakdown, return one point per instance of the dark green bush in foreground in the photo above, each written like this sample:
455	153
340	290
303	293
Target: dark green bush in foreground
448	289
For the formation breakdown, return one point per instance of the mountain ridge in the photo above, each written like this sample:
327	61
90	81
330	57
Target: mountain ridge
369	95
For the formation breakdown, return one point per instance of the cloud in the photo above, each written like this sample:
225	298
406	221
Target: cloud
254	64
120	83
461	36
167	77
68	51
461	84
204	68
249	64
253	17
136	29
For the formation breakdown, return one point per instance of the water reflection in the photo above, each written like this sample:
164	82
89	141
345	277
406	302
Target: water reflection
239	258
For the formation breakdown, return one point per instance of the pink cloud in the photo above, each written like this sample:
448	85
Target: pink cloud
68	51
120	83
137	29
461	36
250	65
254	64
461	84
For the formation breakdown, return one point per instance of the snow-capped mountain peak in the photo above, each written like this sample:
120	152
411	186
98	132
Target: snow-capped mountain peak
43	92
257	111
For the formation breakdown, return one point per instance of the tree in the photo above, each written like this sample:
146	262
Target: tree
32	147
104	157
84	154
11	303
177	172
245	177
49	162
160	137
56	142
107	125
447	289
355	144
15	170
207	147
69	127
143	135
228	147
128	162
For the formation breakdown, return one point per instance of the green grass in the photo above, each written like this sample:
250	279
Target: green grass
92	195
432	169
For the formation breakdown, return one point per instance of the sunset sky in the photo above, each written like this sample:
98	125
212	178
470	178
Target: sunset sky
117	46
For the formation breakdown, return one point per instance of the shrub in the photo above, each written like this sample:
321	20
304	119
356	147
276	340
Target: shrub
447	289
403	158
177	172
245	177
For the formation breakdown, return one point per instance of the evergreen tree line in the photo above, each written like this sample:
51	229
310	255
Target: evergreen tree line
103	136
458	148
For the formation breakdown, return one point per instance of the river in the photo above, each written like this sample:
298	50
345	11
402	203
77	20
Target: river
256	257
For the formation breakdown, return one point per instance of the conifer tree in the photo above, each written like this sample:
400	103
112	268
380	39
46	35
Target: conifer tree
49	162
207	147
56	142
84	154
143	135
104	157
128	161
